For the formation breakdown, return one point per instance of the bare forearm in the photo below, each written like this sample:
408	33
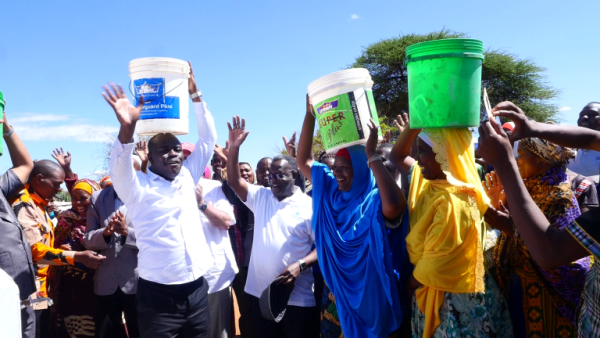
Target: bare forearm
22	163
305	156
549	248
568	136
217	217
392	198
311	259
126	134
234	179
400	154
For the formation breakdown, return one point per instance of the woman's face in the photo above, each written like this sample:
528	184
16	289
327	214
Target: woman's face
430	168
343	172
81	201
529	164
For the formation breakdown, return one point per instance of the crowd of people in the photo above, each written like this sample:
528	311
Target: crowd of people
435	235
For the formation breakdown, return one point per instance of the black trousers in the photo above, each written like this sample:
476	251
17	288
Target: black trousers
42	323
173	310
28	322
109	310
298	322
244	302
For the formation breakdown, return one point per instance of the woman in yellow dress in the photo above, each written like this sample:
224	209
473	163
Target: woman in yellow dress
452	296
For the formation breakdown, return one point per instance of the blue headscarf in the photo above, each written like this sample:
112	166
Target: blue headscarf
354	254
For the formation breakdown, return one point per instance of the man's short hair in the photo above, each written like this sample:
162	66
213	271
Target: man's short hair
46	168
386	146
290	160
262	159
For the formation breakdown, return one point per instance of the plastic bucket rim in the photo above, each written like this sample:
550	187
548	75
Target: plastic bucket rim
445	46
158	59
331	81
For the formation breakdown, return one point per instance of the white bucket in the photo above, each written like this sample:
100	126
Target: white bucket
343	103
164	84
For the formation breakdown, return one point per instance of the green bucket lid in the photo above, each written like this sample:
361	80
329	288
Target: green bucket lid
1	100
467	48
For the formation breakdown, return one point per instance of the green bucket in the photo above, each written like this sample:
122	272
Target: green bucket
444	83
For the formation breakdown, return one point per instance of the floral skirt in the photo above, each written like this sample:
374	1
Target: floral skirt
330	322
469	315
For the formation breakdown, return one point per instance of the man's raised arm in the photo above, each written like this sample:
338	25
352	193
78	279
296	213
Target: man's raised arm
199	158
121	171
237	136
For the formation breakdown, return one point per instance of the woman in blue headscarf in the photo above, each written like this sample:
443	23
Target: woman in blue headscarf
352	204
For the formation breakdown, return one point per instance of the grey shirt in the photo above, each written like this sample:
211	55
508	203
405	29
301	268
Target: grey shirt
15	253
119	270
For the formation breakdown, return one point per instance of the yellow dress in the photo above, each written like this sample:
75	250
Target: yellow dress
446	229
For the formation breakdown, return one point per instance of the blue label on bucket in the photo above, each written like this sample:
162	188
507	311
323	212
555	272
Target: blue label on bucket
157	106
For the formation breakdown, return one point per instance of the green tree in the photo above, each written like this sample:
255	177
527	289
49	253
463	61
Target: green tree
504	75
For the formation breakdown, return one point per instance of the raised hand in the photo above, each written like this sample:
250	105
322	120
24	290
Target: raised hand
309	108
493	188
64	159
494	145
142	150
192	86
126	113
291	145
237	133
223	153
523	126
371	146
402	122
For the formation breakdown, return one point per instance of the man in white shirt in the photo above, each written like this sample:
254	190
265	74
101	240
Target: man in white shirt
283	240
216	216
173	256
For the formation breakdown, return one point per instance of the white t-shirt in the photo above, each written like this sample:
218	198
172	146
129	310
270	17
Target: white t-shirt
587	163
282	236
223	271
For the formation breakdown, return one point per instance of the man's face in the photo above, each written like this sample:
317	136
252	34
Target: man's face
385	153
263	169
217	166
246	173
166	156
47	187
590	117
282	179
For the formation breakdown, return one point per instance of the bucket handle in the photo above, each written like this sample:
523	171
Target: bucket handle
165	94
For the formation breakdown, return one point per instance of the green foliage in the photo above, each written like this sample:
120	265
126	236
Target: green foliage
63	196
506	77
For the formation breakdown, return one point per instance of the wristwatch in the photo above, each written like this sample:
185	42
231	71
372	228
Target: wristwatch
203	206
302	265
195	95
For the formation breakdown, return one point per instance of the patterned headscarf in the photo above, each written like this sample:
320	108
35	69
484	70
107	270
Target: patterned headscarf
549	152
105	182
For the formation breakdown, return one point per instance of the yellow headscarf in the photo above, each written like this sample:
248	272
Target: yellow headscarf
446	231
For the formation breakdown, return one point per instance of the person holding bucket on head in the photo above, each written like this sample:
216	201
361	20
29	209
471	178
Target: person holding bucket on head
173	256
450	289
353	206
282	244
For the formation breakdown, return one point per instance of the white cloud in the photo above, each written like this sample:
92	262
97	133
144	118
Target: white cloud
44	127
564	108
354	17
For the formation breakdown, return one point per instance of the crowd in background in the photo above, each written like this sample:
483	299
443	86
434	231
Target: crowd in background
434	235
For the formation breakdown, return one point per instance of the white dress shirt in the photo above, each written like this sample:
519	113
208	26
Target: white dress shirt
282	236
172	246
223	271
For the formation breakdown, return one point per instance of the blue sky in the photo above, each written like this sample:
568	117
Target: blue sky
253	59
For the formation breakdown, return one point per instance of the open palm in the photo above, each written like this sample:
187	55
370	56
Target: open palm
494	190
237	133
126	113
